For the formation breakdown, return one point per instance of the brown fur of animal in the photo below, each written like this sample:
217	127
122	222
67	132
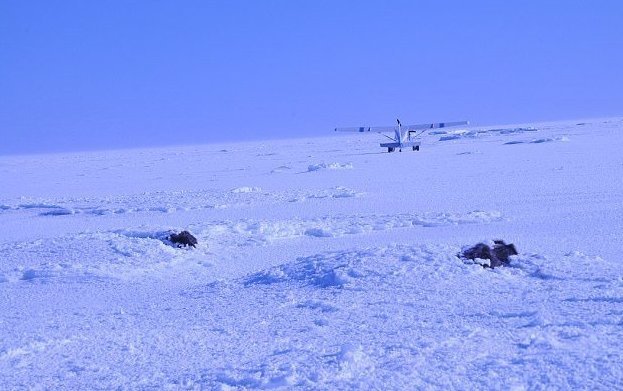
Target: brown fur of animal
498	255
183	239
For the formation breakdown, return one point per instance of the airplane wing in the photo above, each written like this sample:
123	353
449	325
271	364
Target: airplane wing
383	129
354	129
435	125
362	129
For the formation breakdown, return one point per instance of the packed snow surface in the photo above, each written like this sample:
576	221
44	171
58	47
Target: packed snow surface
322	263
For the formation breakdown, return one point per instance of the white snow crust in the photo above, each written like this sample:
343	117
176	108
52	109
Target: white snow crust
322	263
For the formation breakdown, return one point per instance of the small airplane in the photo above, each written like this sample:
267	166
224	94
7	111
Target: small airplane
402	134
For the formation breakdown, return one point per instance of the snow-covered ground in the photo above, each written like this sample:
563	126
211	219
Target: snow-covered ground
322	263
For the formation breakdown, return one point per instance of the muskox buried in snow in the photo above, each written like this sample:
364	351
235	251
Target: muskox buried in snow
183	239
497	255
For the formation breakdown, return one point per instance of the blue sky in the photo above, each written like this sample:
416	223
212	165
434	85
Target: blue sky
81	75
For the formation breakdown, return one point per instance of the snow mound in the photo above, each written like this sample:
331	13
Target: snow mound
344	192
246	189
549	140
329	166
539	140
280	169
449	135
260	232
58	212
354	362
343	268
321	271
500	314
514	130
336	192
83	258
132	253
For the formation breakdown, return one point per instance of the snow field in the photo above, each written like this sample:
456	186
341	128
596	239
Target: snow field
344	276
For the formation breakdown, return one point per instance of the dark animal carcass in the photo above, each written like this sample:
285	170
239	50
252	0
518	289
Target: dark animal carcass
498	255
183	239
